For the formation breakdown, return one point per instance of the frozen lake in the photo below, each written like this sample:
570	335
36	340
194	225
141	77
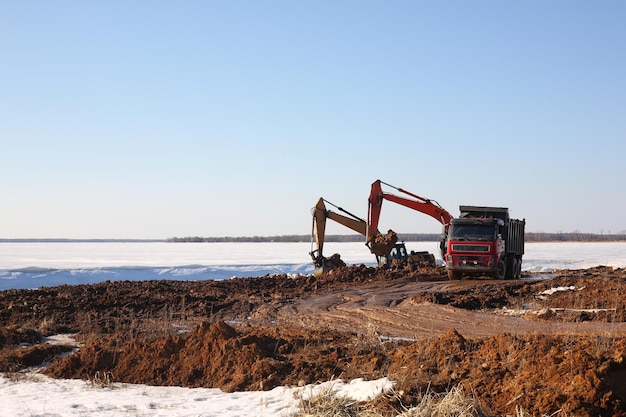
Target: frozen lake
35	264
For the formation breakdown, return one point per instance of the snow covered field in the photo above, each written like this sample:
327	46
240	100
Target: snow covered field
32	265
37	395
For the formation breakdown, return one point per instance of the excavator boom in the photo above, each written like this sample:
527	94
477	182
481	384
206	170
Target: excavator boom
421	204
320	214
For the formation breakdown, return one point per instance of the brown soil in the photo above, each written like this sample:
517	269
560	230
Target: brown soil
509	343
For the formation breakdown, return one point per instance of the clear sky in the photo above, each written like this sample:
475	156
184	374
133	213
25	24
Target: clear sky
154	119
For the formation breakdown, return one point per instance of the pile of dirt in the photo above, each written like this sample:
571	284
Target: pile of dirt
23	347
13	335
109	307
540	343
381	245
540	373
216	355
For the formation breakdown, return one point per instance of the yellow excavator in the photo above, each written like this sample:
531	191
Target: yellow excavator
379	244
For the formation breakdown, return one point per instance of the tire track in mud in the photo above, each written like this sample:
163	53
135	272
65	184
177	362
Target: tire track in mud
391	312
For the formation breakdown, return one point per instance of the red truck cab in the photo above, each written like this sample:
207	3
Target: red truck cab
484	241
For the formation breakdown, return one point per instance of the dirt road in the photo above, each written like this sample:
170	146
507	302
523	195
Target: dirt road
394	311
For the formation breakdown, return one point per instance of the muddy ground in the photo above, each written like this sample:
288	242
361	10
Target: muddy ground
543	343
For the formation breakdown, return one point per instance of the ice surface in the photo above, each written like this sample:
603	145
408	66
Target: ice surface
32	265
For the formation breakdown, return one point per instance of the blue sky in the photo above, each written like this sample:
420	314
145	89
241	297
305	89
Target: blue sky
153	119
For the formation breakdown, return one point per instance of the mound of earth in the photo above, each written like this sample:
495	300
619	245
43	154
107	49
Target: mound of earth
216	355
540	373
540	343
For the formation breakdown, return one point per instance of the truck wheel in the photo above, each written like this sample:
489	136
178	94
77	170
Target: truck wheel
518	268
454	275
500	269
511	263
512	269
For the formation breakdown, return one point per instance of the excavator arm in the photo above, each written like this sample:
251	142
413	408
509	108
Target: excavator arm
320	214
421	204
415	202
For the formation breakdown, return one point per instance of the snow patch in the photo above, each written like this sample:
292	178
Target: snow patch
558	289
35	394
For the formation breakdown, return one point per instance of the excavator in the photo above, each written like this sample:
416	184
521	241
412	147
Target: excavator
379	244
415	202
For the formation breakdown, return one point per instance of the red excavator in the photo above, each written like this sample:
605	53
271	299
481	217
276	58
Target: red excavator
379	244
413	201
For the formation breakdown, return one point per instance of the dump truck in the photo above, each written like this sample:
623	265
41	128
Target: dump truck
484	240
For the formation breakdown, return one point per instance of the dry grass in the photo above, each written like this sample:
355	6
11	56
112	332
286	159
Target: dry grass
102	380
326	403
448	404
453	403
370	340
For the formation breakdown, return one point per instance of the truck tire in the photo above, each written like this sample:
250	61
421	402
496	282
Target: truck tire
511	265
500	269
518	268
454	275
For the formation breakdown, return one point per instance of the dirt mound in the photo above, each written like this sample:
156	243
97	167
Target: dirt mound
110	307
258	333
14	335
213	355
22	347
14	359
541	374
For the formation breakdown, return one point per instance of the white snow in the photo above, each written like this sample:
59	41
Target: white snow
34	394
552	290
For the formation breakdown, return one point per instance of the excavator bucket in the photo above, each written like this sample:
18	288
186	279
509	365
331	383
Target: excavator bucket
381	245
319	266
322	265
319	270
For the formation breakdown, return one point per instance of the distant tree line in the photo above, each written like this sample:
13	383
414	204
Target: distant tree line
416	237
574	237
282	238
410	237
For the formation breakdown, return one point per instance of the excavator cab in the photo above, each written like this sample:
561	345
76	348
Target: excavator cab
399	252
